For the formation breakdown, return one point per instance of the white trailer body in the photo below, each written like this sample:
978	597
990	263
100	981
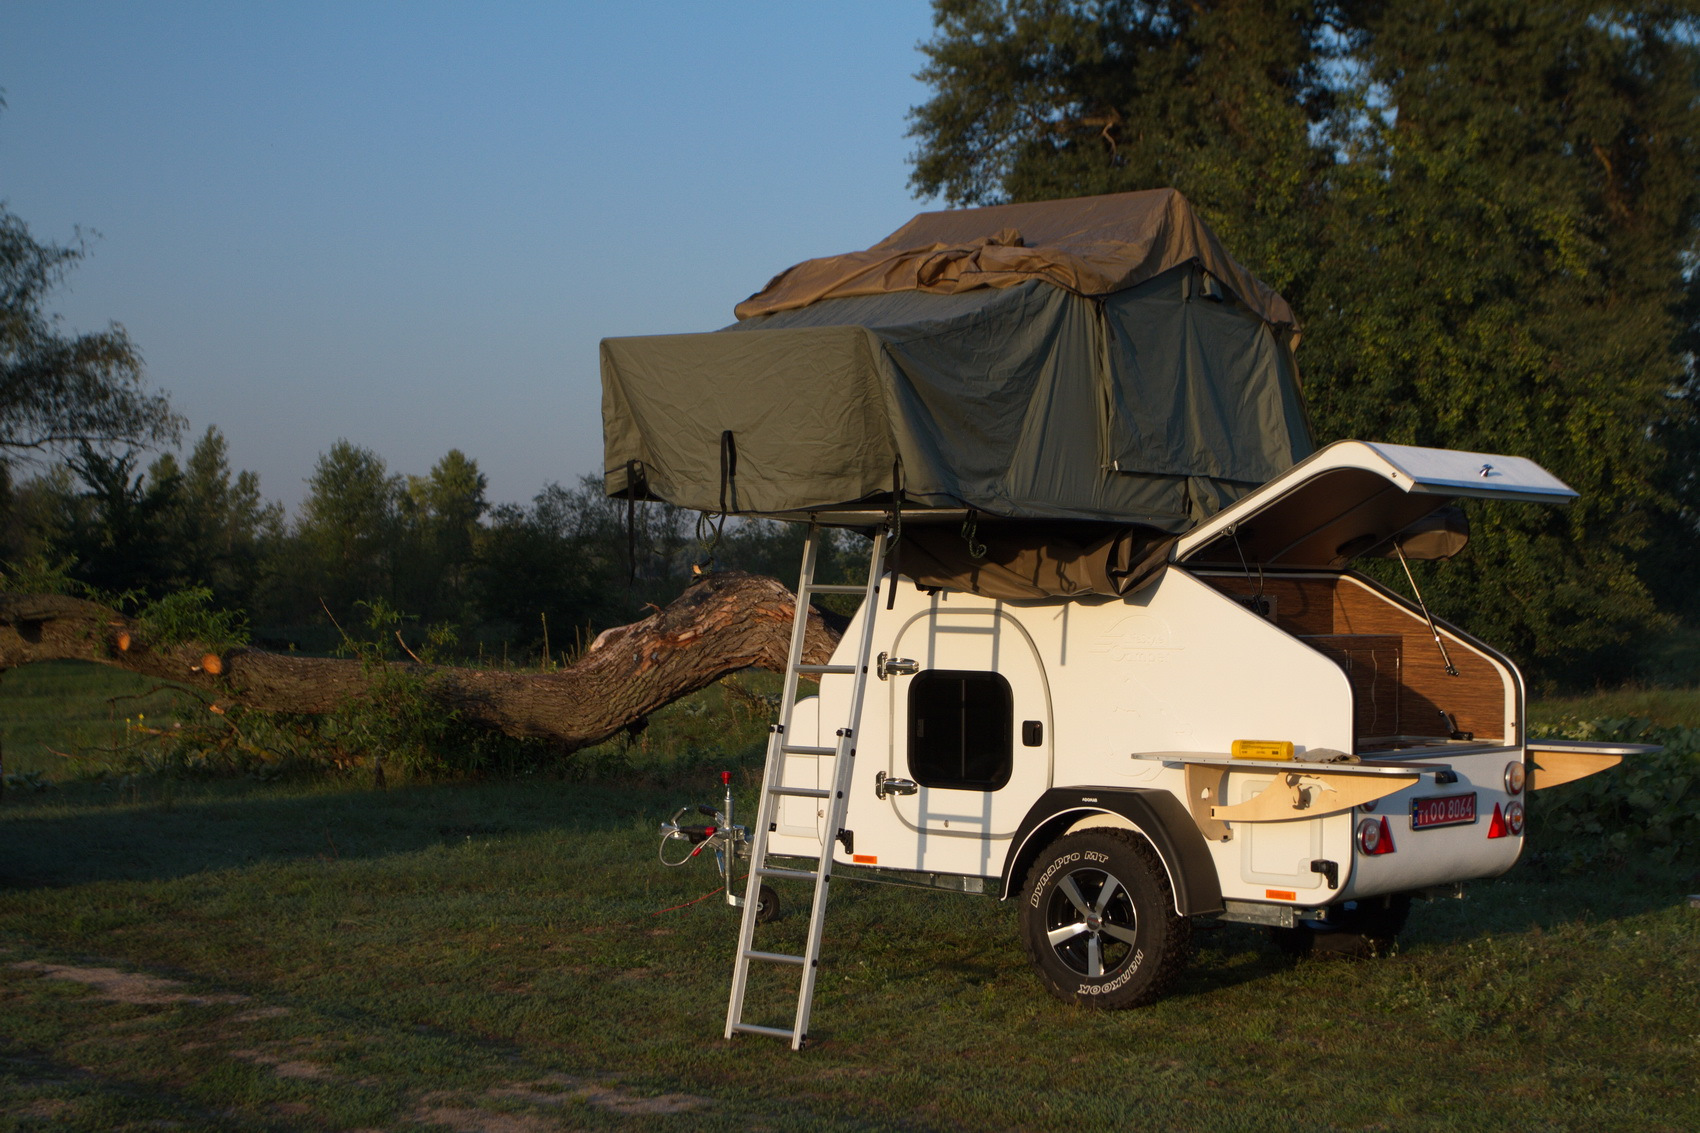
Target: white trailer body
997	727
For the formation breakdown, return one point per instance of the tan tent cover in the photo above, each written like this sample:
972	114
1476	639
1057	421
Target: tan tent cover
1089	245
1034	559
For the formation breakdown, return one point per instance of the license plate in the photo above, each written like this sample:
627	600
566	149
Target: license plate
1443	810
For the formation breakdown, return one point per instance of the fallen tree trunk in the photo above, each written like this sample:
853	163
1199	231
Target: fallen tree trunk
721	624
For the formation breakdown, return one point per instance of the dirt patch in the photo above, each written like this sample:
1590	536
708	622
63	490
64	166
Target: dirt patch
260	1013
555	1091
290	1109
558	1089
47	1109
483	1121
124	987
285	1067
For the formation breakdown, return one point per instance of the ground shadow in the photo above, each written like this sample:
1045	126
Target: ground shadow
82	834
1532	897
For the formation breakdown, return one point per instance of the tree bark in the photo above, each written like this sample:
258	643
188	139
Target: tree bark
723	623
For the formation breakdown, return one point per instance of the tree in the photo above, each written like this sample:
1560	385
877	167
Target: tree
569	558
59	390
117	536
1513	232
1041	99
222	527
348	527
442	514
1483	214
36	514
723	623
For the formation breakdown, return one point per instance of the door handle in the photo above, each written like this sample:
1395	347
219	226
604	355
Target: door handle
886	666
884	785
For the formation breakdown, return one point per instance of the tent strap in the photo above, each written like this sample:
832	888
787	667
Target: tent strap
894	548
633	473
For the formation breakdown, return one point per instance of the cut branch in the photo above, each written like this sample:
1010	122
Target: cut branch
723	623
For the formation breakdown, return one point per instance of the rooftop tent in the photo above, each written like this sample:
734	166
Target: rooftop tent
1097	359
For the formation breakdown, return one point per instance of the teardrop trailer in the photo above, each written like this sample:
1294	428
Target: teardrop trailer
1112	660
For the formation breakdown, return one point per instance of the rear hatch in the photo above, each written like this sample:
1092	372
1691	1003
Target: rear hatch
1354	498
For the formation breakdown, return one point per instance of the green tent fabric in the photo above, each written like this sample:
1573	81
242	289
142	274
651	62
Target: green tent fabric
1152	405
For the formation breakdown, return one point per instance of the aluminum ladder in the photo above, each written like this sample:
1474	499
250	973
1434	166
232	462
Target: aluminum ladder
774	790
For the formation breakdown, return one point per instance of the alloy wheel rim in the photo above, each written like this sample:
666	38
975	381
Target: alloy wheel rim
1091	923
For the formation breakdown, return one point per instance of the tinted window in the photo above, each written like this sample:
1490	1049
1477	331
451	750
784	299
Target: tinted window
961	729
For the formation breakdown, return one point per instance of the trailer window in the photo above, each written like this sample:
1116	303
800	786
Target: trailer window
961	730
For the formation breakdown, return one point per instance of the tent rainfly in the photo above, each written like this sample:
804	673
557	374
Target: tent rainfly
1098	368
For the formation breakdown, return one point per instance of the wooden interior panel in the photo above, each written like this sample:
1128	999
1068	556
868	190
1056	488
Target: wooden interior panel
1335	607
1373	665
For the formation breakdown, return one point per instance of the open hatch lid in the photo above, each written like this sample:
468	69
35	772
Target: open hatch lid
1353	498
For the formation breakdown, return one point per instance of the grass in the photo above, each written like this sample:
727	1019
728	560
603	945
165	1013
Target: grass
343	958
60	717
246	956
1667	707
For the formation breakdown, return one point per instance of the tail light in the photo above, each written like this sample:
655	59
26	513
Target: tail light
1375	837
1514	777
1514	817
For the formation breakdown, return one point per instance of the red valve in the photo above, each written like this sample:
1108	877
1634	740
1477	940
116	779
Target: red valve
725	778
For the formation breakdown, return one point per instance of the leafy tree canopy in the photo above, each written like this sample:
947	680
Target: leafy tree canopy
348	525
1484	214
59	390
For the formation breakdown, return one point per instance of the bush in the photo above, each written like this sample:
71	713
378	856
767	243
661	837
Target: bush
1647	805
189	615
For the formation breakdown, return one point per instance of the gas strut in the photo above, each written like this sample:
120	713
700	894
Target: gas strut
1451	669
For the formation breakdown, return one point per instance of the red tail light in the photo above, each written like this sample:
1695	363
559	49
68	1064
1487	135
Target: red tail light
1375	837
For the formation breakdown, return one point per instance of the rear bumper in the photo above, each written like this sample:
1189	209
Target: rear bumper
1440	855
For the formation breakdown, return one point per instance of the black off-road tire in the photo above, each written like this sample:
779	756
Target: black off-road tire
1366	930
1128	945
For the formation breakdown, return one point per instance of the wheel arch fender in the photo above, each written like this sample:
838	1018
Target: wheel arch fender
1157	816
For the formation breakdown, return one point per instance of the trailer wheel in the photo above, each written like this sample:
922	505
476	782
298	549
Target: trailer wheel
767	905
1359	930
1099	921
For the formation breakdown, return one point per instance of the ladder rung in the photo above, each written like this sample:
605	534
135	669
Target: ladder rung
800	792
758	1029
777	958
800	749
779	871
826	670
838	588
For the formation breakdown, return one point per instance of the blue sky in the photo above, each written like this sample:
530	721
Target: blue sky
408	224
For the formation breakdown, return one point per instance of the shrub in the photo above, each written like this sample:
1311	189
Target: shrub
1648	804
189	615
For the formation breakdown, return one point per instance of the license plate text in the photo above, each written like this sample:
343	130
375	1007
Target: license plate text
1443	810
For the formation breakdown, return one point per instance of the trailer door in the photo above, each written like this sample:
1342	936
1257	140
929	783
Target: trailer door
972	728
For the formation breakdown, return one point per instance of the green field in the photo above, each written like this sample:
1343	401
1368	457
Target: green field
62	718
1668	707
494	956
